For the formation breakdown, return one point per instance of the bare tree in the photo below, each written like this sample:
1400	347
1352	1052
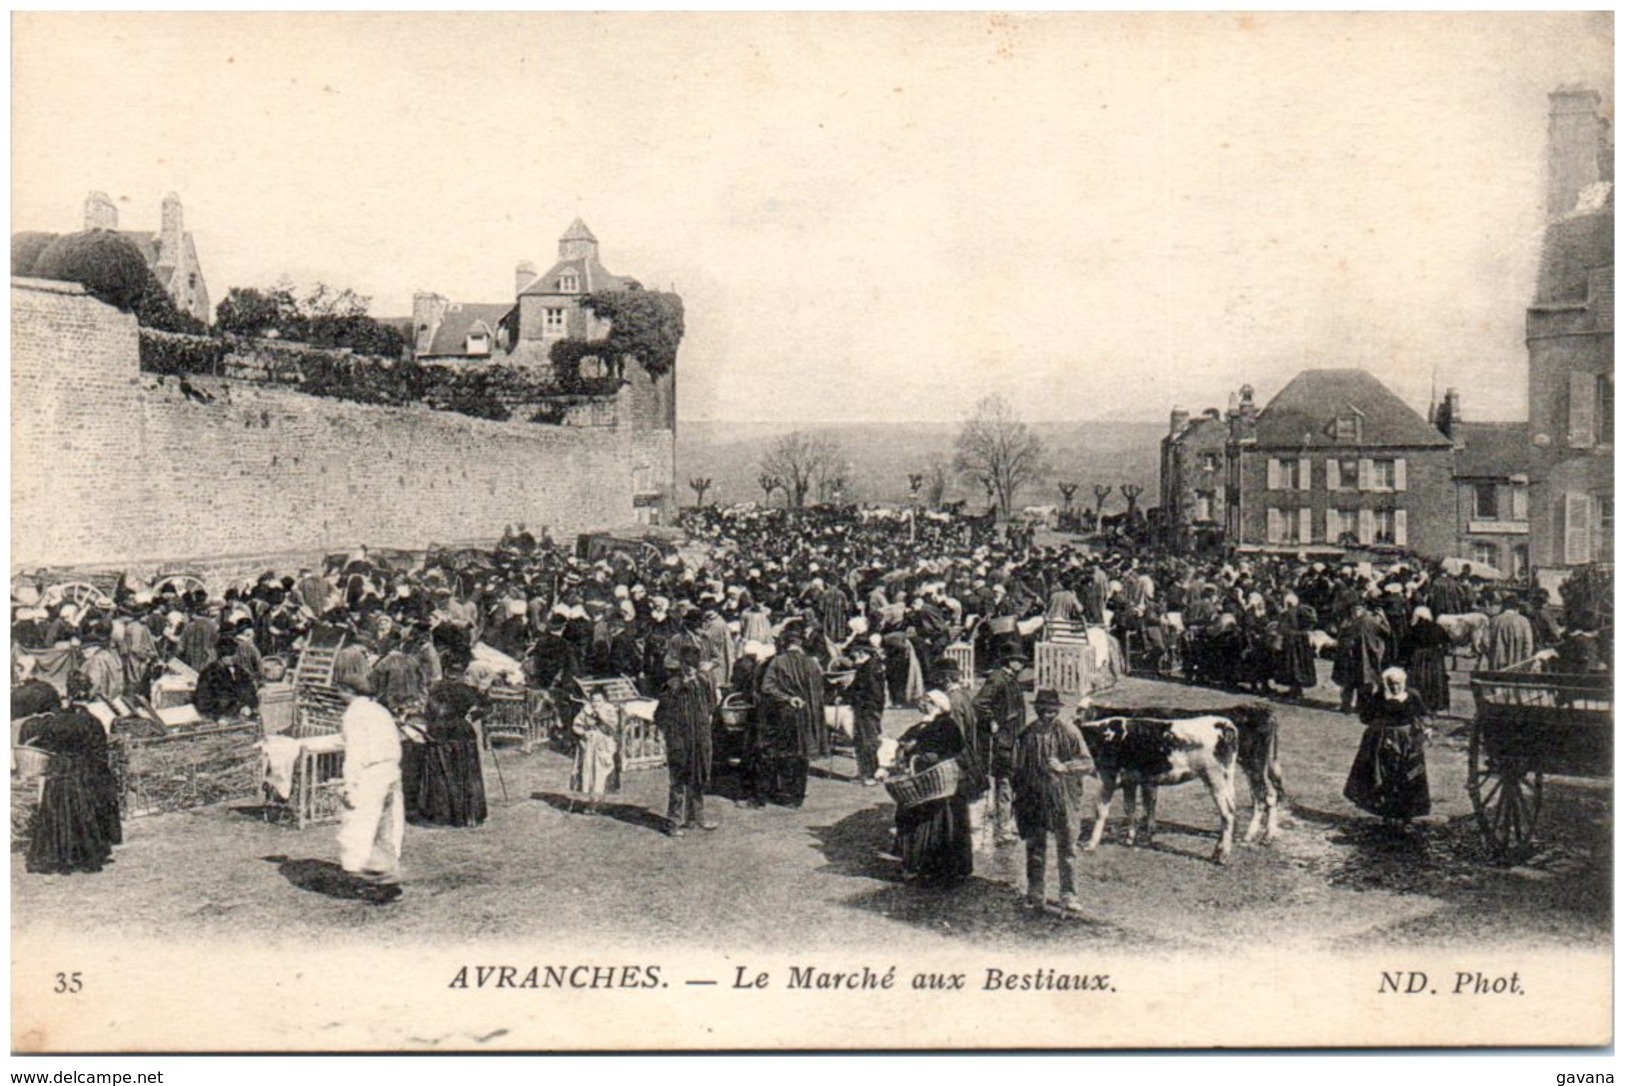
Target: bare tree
801	462
699	484
1101	494
936	482
769	483
1067	490
996	447
832	478
1131	494
916	480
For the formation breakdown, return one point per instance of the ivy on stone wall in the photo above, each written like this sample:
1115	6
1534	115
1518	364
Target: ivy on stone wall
488	392
644	325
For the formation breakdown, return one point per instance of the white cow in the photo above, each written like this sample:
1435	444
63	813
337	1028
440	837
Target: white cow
1143	753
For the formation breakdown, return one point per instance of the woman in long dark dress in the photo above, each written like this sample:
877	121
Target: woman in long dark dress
1295	660
448	788
934	837
77	823
1390	774
1424	647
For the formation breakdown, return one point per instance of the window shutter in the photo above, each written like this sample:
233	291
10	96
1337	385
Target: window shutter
1332	481
1399	474
1520	501
1272	525
1334	525
1400	528
1365	473
1272	479
1582	410
1305	474
1306	524
1368	526
1576	529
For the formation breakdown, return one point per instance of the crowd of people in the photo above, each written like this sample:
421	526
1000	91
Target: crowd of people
790	612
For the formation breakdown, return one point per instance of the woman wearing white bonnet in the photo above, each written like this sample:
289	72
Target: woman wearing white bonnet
1389	777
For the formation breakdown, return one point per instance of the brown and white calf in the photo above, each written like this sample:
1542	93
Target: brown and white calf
1256	754
1141	753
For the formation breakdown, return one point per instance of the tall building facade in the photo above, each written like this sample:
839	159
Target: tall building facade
1192	479
1570	336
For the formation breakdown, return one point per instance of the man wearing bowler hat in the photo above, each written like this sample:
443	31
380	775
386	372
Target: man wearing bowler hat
1001	714
1049	764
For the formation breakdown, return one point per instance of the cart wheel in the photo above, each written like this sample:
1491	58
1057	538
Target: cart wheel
1506	799
182	583
79	593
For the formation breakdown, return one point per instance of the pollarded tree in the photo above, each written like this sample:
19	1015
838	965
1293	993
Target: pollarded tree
699	484
996	447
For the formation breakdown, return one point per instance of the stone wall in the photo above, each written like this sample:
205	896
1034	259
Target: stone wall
114	466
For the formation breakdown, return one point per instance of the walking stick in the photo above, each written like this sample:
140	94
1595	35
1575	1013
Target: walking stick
475	719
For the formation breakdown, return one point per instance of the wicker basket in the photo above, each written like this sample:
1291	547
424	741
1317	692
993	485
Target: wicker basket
938	782
31	762
734	712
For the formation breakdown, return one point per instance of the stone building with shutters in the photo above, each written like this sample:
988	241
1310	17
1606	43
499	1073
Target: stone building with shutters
1492	488
1570	335
1337	463
1192	478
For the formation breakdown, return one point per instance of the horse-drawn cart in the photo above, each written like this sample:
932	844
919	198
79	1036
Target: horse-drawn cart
1531	724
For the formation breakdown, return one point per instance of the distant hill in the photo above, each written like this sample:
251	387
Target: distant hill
883	455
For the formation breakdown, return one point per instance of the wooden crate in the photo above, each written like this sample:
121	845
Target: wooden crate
195	768
639	744
1061	666
513	715
964	654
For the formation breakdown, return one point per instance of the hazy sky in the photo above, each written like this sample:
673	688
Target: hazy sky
868	216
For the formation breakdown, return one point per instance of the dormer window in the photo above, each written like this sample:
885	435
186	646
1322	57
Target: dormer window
569	283
479	343
1346	428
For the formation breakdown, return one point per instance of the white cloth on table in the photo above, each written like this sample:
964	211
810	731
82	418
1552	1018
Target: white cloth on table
279	757
1028	626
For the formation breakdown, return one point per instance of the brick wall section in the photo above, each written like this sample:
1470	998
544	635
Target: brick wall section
111	465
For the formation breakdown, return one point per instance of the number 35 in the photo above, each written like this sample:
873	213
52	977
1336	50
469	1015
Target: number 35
68	983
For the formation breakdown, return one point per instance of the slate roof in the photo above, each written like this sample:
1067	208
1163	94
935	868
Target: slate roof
592	276
1492	450
1302	414
451	338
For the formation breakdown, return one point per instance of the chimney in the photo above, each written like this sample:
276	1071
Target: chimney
1575	146
170	231
1245	407
428	310
100	212
1177	418
1450	414
523	276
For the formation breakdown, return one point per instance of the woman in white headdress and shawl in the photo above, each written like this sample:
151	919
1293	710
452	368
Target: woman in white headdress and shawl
934	837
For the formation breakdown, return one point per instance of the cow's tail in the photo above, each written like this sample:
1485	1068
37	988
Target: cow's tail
1225	750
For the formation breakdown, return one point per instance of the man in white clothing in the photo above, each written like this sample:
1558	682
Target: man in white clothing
374	819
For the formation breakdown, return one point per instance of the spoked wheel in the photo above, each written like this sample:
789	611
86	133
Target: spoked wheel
81	593
1506	798
182	583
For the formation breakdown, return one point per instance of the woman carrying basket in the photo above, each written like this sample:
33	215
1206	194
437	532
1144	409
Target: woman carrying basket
933	835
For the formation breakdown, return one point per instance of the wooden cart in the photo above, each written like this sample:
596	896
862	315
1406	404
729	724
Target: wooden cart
1530	724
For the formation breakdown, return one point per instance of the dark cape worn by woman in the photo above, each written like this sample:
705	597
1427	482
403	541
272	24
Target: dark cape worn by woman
447	787
1425	648
934	837
77	823
1390	774
1295	662
791	737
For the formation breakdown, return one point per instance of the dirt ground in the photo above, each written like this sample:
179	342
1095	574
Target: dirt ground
819	876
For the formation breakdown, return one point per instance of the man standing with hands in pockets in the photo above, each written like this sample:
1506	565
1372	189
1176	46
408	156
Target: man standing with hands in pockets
1050	764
